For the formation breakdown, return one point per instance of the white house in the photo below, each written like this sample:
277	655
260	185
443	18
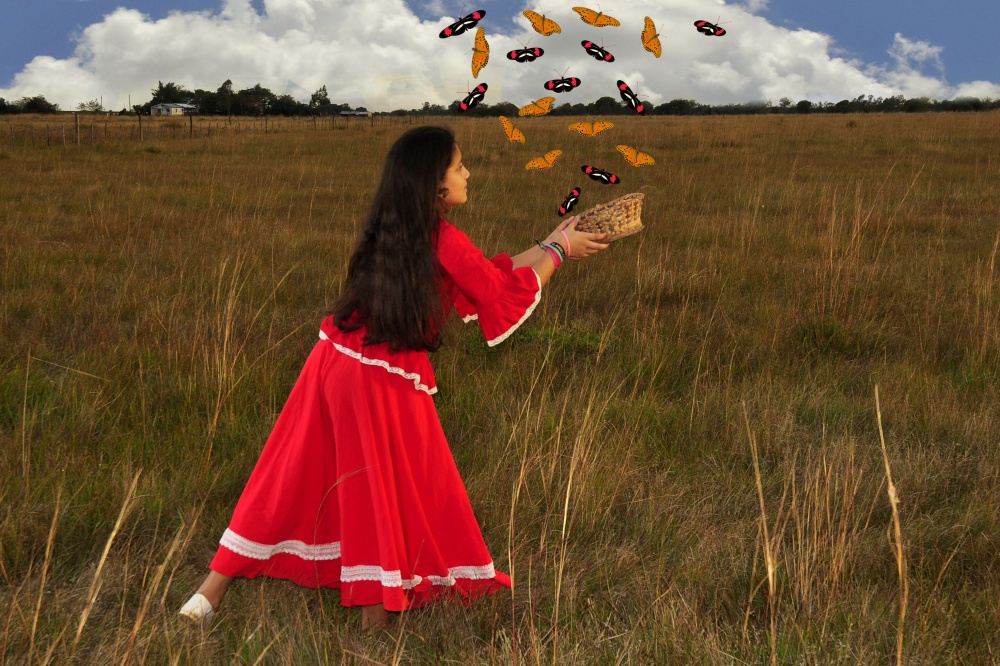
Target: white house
172	109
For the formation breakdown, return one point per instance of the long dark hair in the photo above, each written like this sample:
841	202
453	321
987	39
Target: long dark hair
393	275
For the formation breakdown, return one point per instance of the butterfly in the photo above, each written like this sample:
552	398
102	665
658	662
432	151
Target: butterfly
595	18
525	54
570	201
596	51
634	157
651	38
630	98
480	53
545	161
591	129
537	108
474	97
513	134
562	85
463	24
542	25
601	176
709	29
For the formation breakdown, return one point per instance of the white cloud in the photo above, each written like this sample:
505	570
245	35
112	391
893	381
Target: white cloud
379	54
756	6
907	52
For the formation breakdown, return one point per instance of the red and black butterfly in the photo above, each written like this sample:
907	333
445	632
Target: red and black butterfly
600	175
474	97
570	201
525	54
710	29
630	97
463	24
562	85
598	52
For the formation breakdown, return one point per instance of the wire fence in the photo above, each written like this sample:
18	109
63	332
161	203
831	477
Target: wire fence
89	129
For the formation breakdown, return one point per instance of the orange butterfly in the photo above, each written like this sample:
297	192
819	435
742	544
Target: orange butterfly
542	25
545	161
480	53
537	108
597	19
590	129
651	38
634	157
513	134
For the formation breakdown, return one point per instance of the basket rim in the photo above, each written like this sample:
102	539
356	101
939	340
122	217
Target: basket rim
614	203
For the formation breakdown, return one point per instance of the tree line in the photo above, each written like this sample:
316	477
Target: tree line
259	101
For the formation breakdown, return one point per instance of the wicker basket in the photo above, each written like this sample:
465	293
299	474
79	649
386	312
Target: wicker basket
619	217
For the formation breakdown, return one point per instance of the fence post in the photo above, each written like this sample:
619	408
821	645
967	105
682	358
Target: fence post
91	133
265	124
64	134
48	137
138	115
76	125
190	126
11	128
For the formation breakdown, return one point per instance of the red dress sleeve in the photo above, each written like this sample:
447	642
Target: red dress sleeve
495	293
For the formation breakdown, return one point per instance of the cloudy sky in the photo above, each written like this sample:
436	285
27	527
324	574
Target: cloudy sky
386	54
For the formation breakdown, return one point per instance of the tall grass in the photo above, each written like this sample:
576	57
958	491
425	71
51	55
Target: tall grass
680	456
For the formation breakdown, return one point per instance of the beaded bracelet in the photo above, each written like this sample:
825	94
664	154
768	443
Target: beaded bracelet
559	249
554	251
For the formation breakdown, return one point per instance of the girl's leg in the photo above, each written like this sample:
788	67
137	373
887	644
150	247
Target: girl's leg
214	588
374	617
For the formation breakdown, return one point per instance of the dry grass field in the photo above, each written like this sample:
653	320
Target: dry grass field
764	430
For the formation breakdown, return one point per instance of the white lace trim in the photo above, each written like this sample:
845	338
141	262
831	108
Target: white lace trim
352	574
394	578
262	551
467	318
412	376
538	294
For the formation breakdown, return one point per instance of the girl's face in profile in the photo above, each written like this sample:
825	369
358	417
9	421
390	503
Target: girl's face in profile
455	182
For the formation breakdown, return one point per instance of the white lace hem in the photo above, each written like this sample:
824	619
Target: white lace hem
412	376
394	578
353	574
261	551
467	318
531	308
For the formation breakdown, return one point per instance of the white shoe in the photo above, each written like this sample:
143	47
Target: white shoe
198	609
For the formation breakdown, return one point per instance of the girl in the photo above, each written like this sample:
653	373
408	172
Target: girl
356	487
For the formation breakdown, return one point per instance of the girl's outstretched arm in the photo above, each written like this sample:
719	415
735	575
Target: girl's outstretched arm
580	245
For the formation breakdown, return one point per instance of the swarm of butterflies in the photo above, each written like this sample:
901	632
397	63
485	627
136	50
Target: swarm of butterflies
540	107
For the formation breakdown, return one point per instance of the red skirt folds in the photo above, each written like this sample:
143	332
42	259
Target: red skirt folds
357	489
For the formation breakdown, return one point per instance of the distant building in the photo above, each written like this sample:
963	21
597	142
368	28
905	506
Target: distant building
173	110
356	113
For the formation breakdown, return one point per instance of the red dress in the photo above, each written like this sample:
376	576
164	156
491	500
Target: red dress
356	487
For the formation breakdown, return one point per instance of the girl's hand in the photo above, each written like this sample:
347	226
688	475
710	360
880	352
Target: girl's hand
581	244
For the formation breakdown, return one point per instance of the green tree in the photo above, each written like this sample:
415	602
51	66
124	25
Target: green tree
93	106
225	97
255	101
37	104
607	106
169	93
319	101
804	106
